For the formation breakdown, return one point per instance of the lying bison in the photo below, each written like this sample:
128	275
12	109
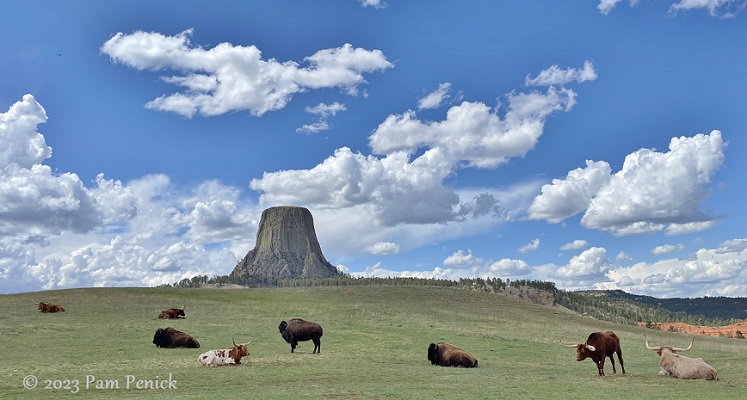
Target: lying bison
172	338
297	330
448	355
172	313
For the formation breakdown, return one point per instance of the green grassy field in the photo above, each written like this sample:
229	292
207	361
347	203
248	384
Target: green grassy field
374	347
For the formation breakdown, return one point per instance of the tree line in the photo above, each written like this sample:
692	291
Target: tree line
613	306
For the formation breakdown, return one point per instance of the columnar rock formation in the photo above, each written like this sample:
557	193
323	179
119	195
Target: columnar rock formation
286	247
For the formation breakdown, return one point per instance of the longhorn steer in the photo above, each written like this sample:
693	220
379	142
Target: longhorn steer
232	356
172	313
297	330
679	366
599	346
48	307
172	338
448	355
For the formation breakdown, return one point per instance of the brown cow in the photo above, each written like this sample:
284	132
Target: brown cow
599	346
448	355
48	307
679	366
219	357
172	338
172	313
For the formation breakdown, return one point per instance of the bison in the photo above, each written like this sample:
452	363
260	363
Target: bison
48	307
172	313
172	338
599	346
297	330
232	356
448	355
679	366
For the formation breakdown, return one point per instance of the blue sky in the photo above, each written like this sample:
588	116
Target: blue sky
598	145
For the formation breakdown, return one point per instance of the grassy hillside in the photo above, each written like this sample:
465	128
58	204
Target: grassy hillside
374	346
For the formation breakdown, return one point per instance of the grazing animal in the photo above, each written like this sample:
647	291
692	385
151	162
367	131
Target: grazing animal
172	338
599	346
297	330
48	307
448	355
232	356
679	366
172	313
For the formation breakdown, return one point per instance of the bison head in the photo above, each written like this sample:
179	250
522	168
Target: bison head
161	336
281	328
433	356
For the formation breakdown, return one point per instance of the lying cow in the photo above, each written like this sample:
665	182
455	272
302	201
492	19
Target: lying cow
448	355
679	366
297	330
48	307
220	357
598	346
172	338
172	313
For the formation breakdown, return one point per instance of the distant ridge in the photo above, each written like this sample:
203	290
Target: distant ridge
710	307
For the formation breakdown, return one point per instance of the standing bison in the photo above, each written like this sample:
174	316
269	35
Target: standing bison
48	307
599	346
448	355
297	330
172	338
172	313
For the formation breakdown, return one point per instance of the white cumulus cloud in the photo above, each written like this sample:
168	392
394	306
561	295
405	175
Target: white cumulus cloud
383	248
229	78
667	248
531	246
652	191
574	245
435	98
556	76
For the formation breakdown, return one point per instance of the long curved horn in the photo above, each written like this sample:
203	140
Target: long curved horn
234	342
570	345
34	301
249	341
688	347
649	347
183	307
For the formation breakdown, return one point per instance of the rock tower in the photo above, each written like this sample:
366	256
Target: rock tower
286	247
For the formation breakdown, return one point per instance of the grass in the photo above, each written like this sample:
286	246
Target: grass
374	347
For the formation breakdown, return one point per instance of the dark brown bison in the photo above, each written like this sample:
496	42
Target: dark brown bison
448	355
172	338
172	313
297	330
598	347
48	307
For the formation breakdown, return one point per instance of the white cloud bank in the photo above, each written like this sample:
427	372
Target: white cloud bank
716	8
653	191
55	232
229	78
